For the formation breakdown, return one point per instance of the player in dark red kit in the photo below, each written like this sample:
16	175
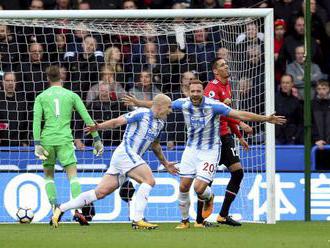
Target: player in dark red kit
219	89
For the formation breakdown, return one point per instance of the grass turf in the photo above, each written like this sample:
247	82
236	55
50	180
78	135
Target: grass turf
283	234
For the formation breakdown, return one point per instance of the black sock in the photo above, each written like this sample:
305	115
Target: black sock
199	218
231	191
229	198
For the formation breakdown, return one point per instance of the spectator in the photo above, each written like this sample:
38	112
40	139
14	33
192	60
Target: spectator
63	4
224	53
84	5
177	62
34	77
251	36
321	122
85	66
150	60
37	5
113	61
204	52
58	49
9	56
175	127
129	4
286	9
296	69
107	77
287	53
104	108
144	88
280	29
13	126
207	4
288	105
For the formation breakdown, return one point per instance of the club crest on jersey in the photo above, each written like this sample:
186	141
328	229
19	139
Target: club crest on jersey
211	94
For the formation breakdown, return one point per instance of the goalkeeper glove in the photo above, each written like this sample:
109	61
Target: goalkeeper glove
40	152
98	146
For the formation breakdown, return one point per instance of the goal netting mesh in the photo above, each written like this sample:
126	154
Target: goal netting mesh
103	59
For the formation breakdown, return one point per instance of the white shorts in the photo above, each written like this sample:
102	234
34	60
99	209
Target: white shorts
123	160
201	164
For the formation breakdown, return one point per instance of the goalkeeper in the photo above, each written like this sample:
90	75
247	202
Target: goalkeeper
54	140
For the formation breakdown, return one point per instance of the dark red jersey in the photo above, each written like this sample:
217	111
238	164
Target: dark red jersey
222	92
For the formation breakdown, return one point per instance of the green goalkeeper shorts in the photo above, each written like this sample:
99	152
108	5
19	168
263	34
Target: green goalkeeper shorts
65	154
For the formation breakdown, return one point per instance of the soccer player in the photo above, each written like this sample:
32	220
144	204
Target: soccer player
203	149
142	130
54	140
219	89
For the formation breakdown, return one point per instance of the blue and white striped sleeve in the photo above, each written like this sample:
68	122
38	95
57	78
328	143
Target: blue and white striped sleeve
177	104
134	116
221	108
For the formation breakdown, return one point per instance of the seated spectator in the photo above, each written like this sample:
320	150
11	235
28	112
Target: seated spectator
85	66
9	56
144	89
58	49
175	127
116	90
104	108
177	62
150	60
296	69
251	36
321	123
288	105
295	39
224	53
113	62
13	116
34	77
203	51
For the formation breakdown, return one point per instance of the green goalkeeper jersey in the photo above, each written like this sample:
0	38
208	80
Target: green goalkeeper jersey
56	105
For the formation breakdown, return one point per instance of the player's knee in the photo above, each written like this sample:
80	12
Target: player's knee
101	193
150	181
199	188
237	176
184	188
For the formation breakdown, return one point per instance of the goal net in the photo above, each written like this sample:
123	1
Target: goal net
102	56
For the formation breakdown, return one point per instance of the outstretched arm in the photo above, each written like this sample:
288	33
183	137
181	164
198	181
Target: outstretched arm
131	100
157	149
248	116
113	123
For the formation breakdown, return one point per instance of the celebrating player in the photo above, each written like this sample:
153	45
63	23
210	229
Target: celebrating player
54	141
142	130
219	89
202	152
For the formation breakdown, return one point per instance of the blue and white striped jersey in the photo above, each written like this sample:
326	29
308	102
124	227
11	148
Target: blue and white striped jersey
142	129
202	121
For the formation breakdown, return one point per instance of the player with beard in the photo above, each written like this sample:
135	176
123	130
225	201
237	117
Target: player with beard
219	89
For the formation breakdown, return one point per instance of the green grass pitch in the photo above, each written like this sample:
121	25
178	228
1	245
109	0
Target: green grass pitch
283	234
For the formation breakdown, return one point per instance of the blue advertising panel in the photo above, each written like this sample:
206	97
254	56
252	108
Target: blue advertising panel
27	189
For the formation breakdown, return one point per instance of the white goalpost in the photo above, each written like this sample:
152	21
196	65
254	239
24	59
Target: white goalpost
105	53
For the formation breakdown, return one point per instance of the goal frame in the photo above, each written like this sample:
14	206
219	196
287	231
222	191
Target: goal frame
266	13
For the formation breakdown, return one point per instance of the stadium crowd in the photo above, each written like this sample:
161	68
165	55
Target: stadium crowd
101	68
